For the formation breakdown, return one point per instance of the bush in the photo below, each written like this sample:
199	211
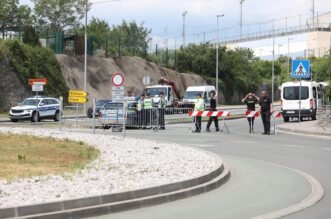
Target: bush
36	62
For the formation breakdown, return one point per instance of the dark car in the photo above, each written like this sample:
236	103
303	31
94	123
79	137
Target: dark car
98	107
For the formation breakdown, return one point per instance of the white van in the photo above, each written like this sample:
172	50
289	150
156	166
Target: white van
191	93
311	98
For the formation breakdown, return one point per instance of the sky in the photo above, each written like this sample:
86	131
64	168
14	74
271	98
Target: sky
165	19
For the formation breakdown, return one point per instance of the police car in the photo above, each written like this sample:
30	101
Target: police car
35	109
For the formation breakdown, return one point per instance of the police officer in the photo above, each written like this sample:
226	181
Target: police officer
199	106
161	107
266	111
213	107
148	107
250	100
140	111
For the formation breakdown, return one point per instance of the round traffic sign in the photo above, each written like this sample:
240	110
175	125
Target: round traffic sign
117	79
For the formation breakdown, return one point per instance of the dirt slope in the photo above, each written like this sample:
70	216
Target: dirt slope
134	69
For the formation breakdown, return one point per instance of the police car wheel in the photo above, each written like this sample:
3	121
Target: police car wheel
57	116
14	120
286	119
35	117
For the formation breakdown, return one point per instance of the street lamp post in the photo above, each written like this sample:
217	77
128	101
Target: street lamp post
217	45
241	17
288	54
184	14
278	55
273	66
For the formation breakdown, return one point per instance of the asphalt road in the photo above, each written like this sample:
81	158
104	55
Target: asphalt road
256	185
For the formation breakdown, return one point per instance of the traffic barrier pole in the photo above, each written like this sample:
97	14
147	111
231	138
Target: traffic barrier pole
223	114
250	115
60	113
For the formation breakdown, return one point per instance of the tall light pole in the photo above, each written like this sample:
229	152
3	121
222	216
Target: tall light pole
241	18
278	55
313	14
273	66
184	14
288	54
217	45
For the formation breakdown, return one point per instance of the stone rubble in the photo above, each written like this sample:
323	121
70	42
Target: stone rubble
123	165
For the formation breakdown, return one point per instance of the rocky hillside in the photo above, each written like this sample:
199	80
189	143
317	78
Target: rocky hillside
134	69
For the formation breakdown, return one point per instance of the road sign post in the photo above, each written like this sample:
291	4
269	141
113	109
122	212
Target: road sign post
300	69
118	93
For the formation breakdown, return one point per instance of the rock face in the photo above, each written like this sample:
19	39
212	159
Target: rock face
134	69
100	70
12	90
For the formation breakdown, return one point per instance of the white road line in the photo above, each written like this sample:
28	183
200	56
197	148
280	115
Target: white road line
308	135
202	145
316	194
291	146
245	142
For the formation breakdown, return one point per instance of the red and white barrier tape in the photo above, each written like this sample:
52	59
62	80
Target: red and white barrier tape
255	114
210	113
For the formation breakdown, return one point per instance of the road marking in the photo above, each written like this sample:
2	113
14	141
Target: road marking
202	145
316	194
308	135
292	146
245	142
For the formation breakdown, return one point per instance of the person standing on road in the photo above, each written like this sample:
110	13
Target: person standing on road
148	103
266	111
161	108
199	106
250	100
213	107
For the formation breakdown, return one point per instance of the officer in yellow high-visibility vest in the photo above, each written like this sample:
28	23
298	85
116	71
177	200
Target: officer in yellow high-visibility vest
148	103
199	106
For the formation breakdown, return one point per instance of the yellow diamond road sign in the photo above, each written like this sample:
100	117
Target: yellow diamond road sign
77	99
77	93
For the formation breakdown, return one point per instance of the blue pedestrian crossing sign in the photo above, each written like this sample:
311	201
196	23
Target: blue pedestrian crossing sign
300	69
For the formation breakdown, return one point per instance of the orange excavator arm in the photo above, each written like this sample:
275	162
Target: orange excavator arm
164	81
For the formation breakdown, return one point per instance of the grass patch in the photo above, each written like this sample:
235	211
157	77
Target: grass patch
23	156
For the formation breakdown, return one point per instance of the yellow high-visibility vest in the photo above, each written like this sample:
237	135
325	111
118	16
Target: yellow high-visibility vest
199	104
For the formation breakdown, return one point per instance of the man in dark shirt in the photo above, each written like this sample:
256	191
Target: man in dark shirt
266	111
213	107
250	100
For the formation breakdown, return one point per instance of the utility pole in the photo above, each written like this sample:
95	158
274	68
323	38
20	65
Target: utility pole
241	18
184	14
273	66
217	45
313	11
288	55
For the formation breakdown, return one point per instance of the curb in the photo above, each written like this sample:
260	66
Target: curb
296	131
110	203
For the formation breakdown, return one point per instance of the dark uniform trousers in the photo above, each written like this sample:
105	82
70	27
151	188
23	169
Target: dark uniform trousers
198	123
211	119
266	121
161	117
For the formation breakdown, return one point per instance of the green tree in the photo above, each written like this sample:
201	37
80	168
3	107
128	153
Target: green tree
59	14
14	15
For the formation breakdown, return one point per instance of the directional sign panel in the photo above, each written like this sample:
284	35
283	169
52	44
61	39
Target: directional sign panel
117	93
77	99
38	81
300	69
37	87
77	93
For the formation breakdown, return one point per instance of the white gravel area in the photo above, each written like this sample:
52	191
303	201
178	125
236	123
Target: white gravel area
123	165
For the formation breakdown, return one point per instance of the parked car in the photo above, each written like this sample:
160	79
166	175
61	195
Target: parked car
112	114
98	106
36	108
